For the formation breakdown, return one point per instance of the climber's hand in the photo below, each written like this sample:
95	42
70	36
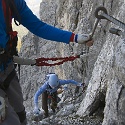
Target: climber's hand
80	84
84	39
36	110
2	109
65	88
89	43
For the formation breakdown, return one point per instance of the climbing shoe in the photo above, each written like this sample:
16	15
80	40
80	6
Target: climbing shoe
45	115
53	109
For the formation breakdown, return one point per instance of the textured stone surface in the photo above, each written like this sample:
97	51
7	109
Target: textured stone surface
102	69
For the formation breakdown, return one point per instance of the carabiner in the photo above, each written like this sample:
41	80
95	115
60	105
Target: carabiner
99	17
95	27
101	8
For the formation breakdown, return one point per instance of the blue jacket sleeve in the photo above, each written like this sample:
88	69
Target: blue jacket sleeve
38	27
39	92
63	82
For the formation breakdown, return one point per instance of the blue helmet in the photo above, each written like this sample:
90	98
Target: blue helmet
53	80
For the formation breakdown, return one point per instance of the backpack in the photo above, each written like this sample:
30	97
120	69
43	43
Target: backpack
6	54
10	10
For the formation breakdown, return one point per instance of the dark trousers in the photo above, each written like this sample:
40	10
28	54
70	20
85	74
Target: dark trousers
15	113
53	98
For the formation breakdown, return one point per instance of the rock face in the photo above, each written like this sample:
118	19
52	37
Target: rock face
102	68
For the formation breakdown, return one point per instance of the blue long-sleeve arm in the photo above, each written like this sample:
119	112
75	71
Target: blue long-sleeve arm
39	92
63	82
33	24
38	27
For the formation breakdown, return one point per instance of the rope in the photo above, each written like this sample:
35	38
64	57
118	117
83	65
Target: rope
43	61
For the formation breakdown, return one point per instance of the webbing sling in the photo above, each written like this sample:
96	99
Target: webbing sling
43	61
